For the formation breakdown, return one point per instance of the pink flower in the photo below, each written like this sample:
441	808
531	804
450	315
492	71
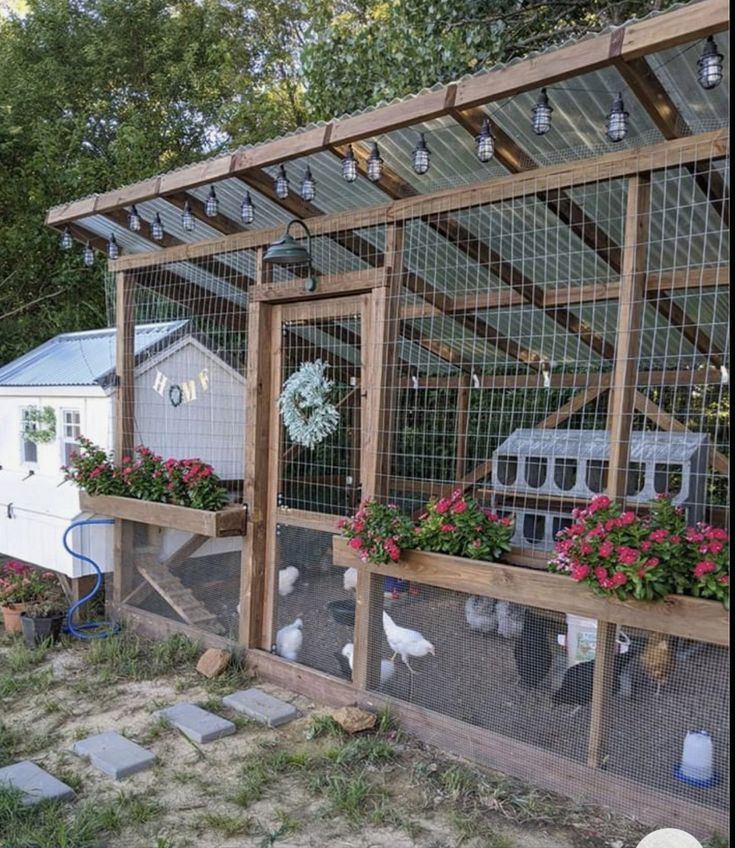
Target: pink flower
585	549
716	547
580	571
442	506
627	518
476	543
341	523
675	540
355	543
459	507
627	555
659	535
606	549
652	562
447	528
600	502
619	579
724	580
600	573
706	566
645	546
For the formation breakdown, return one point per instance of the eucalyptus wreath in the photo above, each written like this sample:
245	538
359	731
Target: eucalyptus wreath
305	404
39	424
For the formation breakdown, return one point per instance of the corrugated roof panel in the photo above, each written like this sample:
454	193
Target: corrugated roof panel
79	359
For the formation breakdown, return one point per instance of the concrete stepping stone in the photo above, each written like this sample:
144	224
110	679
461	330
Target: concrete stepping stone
35	783
261	706
198	724
113	754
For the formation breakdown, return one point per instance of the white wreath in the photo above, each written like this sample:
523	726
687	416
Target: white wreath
308	414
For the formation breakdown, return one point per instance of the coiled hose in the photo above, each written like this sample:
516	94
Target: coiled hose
102	629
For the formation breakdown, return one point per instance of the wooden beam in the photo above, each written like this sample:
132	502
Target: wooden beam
673	28
219	221
573	405
710	145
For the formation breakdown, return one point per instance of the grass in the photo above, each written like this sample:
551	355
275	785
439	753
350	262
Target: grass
323	725
353	795
227	825
131	657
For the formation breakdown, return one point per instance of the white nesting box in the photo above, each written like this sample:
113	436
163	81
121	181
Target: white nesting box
574	463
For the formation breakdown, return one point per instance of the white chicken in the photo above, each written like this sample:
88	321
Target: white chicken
349	581
289	640
480	614
387	667
510	619
407	643
286	579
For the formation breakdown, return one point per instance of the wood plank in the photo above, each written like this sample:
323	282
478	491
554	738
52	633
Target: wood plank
573	405
710	145
332	285
460	428
602	693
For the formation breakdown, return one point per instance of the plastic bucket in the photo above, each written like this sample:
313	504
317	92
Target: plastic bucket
580	640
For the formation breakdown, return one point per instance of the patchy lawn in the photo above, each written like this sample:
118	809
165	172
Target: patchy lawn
305	784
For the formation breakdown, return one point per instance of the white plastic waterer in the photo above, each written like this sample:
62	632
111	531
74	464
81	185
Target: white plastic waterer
697	760
580	640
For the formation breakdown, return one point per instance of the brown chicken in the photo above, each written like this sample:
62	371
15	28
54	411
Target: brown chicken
658	658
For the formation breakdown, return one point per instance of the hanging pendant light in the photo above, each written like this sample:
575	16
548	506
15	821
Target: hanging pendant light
88	255
485	142
709	65
375	165
113	248
616	125
67	241
134	222
187	217
282	184
211	208
542	114
349	166
421	156
247	210
308	185
157	230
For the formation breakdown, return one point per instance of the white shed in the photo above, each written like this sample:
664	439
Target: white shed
194	406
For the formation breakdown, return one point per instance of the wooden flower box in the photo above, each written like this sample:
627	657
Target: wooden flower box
230	521
676	615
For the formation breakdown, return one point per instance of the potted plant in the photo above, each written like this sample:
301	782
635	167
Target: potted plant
20	585
42	618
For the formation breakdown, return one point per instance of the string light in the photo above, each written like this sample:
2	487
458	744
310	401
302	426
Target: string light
308	185
187	217
211	208
247	210
281	182
421	156
349	166
375	165
134	222
113	248
542	114
157	231
67	242
88	255
485	142
616	125
709	65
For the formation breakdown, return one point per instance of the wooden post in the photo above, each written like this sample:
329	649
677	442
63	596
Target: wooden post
463	405
620	420
256	485
380	333
125	285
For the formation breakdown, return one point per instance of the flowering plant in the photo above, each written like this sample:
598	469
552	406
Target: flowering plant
378	532
619	553
457	525
146	476
21	583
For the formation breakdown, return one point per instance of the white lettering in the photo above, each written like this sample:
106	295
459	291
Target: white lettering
204	379
189	390
159	384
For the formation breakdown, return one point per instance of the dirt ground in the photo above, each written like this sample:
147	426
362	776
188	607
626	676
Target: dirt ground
301	785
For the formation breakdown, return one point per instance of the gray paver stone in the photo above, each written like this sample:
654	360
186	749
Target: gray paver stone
261	706
35	783
113	754
198	724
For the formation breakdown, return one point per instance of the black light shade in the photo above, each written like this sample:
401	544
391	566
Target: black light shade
616	125
88	255
709	65
113	248
247	210
308	186
282	184
485	142
187	217
349	166
211	207
134	222
287	251
542	114
157	231
421	156
67	241
374	165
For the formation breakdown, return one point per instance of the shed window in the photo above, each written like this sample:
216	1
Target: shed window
71	430
28	449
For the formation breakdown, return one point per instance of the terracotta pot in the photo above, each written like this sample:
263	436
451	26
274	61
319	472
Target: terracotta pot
11	617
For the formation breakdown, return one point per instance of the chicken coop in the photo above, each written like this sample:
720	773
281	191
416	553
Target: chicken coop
515	285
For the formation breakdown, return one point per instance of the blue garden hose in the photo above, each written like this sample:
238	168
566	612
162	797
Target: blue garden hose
102	629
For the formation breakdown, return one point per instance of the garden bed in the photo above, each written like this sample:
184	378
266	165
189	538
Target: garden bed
230	521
